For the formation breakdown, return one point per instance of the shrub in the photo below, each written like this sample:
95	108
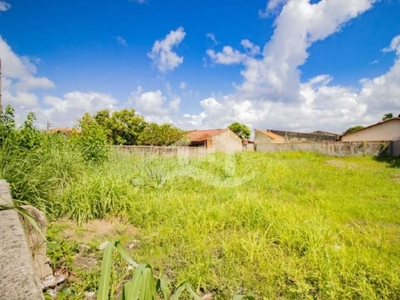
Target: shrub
91	141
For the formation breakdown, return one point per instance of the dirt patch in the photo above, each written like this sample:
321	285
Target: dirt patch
340	164
97	230
396	178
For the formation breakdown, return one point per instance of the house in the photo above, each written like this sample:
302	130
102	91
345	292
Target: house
64	130
215	140
266	136
388	130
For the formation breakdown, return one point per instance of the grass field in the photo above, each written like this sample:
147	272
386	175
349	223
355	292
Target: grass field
274	226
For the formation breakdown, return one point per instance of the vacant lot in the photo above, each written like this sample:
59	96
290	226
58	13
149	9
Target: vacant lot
289	226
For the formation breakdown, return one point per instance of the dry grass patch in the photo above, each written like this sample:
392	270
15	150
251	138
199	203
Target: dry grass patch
96	230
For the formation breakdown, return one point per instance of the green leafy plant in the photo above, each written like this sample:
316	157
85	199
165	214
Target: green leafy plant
241	130
25	214
143	285
91	141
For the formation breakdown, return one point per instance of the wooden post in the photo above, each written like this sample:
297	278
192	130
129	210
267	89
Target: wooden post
1	103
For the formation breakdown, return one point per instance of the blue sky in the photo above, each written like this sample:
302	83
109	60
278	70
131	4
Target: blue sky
281	64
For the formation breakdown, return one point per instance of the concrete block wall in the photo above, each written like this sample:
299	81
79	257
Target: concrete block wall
332	148
18	278
305	137
163	151
396	148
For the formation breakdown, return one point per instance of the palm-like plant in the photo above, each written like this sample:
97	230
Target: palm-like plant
387	116
143	285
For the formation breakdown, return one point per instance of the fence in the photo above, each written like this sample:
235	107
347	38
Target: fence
336	148
328	148
164	151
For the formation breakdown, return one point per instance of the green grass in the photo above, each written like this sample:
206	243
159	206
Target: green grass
280	225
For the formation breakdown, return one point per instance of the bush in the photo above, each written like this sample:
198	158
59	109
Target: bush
91	141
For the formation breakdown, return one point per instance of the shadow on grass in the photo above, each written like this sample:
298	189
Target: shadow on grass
393	162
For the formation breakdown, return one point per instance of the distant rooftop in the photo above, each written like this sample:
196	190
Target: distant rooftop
203	135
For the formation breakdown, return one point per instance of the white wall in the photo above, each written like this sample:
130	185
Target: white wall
227	142
385	131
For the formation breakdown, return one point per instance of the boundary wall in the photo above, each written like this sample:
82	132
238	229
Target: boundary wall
335	148
378	148
165	151
396	148
292	137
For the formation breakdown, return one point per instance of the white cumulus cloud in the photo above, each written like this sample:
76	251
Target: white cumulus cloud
228	56
20	70
4	6
67	110
272	95
154	106
276	76
272	6
19	82
250	47
161	53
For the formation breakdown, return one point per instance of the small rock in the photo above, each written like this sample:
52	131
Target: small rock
133	244
90	295
103	245
207	296
48	282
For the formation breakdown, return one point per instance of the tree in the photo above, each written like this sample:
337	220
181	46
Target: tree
241	130
353	129
387	116
92	141
123	127
160	135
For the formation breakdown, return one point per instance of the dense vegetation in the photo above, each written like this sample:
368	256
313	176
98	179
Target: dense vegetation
281	225
126	127
241	130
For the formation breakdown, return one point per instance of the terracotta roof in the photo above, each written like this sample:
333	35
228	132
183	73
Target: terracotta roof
376	124
203	135
272	135
64	130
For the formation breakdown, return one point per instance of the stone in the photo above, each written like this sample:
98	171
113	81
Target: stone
36	241
18	278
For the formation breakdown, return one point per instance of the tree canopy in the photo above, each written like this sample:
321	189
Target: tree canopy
160	135
353	129
123	127
126	127
241	130
387	116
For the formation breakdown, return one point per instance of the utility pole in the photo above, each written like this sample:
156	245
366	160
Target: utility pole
1	103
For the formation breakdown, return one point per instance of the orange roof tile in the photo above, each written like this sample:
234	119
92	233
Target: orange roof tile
203	135
272	135
64	130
